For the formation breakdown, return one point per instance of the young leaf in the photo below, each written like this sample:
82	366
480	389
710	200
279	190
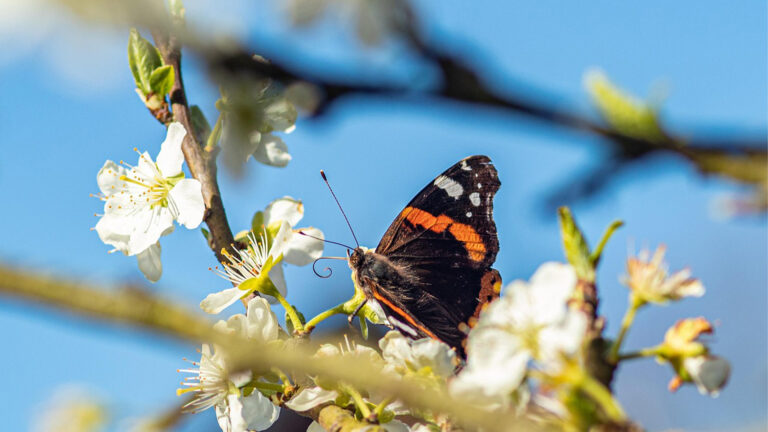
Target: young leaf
199	123
575	245
143	59
161	80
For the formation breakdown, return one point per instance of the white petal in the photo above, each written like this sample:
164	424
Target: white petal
187	197
113	230
395	349
150	264
496	360
261	322
217	302
550	288
302	250
395	426
108	178
309	398
272	151
315	427
709	373
258	412
149	225
281	114
277	277
170	158
284	209
436	355
229	413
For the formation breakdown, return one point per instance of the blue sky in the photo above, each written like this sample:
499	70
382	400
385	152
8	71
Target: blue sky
58	129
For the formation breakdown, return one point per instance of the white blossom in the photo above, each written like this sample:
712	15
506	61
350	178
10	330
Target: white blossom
709	373
531	321
142	201
648	279
402	355
287	245
216	386
71	409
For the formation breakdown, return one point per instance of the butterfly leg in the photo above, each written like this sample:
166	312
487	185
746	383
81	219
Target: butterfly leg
351	316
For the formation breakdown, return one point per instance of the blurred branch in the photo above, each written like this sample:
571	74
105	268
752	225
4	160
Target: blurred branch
137	308
740	159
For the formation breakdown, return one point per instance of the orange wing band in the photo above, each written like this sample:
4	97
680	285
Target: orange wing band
461	232
402	313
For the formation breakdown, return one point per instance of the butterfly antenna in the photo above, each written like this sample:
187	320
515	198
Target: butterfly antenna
322	173
327	269
324	240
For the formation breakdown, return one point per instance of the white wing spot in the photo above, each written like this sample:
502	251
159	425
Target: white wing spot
465	167
452	188
479	185
469	214
474	197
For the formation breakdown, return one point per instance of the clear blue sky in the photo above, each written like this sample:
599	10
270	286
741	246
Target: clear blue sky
56	132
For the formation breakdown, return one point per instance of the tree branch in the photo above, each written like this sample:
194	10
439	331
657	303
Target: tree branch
202	164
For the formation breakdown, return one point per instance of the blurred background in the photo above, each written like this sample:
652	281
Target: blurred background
67	103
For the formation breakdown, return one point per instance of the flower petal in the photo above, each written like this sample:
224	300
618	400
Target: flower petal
272	151
149	262
284	209
710	373
217	302
187	199
108	178
229	413
149	225
261	323
258	412
113	230
302	250
315	427
170	158
311	397
281	114
277	277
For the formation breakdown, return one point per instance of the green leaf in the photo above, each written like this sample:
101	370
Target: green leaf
199	123
161	80
575	246
143	59
598	252
623	111
206	234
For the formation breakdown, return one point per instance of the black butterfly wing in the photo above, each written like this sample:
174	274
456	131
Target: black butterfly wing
446	241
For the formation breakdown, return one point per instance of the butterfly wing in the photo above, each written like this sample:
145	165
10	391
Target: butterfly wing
446	240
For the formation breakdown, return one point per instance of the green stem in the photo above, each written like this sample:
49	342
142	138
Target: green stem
311	324
292	314
600	394
359	401
382	406
626	323
260	385
645	352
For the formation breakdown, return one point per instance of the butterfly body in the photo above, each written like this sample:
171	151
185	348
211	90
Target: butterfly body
431	272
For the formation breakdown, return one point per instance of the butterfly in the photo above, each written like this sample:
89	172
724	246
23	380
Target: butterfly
431	272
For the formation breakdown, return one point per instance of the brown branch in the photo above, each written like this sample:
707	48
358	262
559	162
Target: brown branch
202	164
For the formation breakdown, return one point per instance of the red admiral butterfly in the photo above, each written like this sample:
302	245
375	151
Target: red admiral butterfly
431	272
